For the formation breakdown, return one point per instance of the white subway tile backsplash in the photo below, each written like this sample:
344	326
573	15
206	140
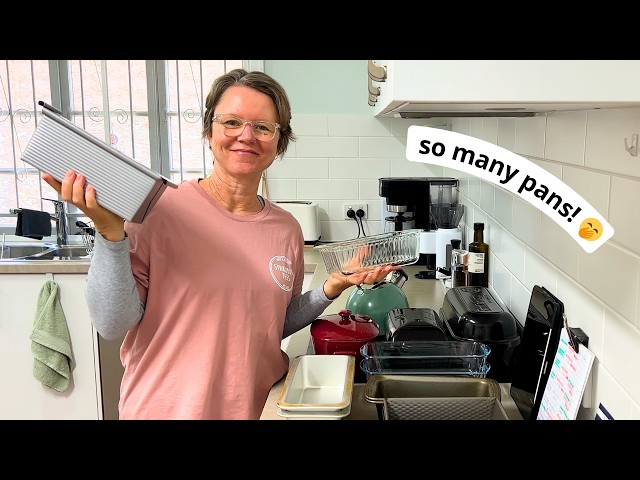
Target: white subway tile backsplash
327	147
620	353
328	189
493	234
565	137
559	247
370	189
519	300
553	168
405	168
391	147
474	189
357	126
503	211
605	142
507	133
299	168
527	223
500	278
592	186
613	273
530	133
538	271
512	255
310	125
337	231
623	215
487	197
475	127
281	189
490	130
610	393
359	167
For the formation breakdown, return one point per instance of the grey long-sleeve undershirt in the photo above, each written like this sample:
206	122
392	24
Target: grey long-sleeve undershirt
115	306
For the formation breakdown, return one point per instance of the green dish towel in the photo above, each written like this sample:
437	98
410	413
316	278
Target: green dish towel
50	340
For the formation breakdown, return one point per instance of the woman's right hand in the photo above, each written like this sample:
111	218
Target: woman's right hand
72	190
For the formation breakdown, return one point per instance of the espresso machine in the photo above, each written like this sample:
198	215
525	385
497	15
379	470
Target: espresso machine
431	205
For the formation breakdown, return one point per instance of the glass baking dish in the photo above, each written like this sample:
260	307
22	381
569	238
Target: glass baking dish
360	254
422	357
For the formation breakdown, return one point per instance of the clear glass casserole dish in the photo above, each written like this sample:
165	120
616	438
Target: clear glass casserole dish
360	254
422	357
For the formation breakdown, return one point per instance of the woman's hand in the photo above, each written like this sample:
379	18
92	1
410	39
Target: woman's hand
338	283
72	190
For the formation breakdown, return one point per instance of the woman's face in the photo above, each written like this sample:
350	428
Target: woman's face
244	154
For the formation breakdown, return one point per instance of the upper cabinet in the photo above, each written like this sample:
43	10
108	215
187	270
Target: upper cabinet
495	88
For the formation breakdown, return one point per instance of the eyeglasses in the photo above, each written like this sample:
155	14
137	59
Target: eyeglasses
233	126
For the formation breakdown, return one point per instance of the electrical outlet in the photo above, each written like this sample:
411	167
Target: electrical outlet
355	207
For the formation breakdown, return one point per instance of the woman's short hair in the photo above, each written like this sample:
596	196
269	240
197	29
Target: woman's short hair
261	82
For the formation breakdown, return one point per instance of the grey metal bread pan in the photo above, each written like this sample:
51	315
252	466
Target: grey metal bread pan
434	397
124	186
443	408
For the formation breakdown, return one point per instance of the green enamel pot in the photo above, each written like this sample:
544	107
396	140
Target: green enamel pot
377	301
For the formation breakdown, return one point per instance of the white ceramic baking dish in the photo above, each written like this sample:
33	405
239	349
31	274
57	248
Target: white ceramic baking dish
320	384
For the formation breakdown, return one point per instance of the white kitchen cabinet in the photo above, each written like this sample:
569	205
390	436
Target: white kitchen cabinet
21	395
423	88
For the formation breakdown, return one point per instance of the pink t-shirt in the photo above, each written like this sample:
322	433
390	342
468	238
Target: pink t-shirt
216	288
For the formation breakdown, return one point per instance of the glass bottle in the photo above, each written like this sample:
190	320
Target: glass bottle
478	259
459	267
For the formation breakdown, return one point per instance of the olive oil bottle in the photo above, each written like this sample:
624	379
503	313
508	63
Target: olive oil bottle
478	259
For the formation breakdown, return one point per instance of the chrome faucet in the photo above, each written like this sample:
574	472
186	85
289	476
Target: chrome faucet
62	222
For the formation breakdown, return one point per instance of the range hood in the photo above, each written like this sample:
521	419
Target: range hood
505	88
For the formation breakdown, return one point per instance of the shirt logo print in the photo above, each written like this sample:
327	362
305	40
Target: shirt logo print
281	272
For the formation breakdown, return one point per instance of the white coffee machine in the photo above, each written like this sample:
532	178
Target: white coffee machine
427	203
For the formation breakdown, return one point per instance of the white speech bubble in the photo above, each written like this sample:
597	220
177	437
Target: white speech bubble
515	173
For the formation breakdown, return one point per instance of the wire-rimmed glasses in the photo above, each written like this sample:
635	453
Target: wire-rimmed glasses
233	126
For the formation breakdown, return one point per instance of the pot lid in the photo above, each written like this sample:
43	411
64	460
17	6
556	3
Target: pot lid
345	326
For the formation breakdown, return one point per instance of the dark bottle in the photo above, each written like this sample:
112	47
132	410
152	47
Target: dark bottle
478	259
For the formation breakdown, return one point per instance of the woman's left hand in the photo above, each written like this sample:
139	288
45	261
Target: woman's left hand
338	283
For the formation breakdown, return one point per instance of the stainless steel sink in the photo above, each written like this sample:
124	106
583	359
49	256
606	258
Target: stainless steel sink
43	251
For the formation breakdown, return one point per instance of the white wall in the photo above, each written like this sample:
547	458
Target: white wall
338	158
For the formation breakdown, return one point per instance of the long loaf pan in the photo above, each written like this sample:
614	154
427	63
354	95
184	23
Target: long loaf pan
434	397
379	387
445	408
124	186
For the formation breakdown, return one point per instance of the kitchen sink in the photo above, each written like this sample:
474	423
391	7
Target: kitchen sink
42	251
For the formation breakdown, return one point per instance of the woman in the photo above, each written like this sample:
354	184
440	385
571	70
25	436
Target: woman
206	288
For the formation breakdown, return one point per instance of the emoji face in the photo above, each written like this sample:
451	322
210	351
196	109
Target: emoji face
590	229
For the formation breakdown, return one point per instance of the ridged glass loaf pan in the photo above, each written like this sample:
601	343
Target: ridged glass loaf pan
360	254
422	357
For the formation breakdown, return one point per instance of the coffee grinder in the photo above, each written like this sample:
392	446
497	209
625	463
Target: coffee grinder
429	204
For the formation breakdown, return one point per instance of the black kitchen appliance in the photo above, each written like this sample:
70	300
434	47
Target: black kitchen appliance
474	314
540	339
429	204
414	324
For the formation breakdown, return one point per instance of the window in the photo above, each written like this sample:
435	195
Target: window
150	110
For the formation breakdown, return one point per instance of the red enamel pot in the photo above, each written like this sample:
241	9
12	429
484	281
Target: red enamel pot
343	334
